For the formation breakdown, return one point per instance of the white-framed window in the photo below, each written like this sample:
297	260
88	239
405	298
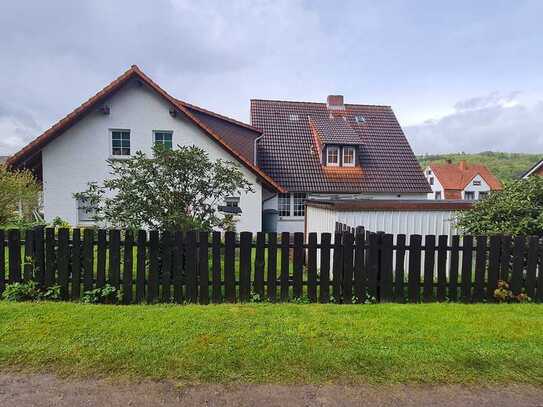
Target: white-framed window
299	204
359	119
163	137
429	172
332	156
431	180
469	195
284	204
120	142
232	201
85	213
348	156
477	182
438	194
483	195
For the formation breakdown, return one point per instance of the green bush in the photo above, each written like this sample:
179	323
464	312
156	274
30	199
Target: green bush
30	291
104	295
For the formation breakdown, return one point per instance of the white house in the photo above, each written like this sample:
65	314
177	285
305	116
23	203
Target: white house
460	182
130	114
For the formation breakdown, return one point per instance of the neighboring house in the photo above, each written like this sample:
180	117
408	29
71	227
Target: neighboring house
333	150
537	169
130	114
460	181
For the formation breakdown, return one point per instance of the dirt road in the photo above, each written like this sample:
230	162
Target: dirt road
47	390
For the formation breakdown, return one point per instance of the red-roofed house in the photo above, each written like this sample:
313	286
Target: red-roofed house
460	181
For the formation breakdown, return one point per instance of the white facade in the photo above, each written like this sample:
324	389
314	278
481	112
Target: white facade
476	189
79	155
437	188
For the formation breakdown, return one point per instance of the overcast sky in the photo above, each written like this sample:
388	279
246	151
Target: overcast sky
467	76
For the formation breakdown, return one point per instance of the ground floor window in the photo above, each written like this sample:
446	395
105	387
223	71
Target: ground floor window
292	204
284	205
85	212
299	204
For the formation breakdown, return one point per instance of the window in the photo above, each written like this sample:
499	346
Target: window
359	119
469	195
438	194
293	117
284	204
431	180
299	204
348	156
483	195
120	142
477	182
429	172
232	202
332	156
164	138
85	212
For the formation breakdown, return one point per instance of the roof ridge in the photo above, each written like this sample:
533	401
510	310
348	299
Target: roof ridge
219	116
316	103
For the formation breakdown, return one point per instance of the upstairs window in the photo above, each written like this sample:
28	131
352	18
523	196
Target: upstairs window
120	142
348	156
332	156
483	195
469	195
164	138
359	119
477	183
438	195
232	202
431	180
284	205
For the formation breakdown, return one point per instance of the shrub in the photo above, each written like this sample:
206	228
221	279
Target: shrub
504	294
105	295
30	291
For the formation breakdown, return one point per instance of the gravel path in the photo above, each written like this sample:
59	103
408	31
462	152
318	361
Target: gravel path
47	390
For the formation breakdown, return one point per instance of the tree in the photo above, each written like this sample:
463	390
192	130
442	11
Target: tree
517	210
19	195
173	190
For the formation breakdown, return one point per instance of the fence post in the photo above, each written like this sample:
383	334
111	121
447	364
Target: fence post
413	284
347	280
14	251
338	267
324	280
312	267
385	265
373	266
360	274
39	250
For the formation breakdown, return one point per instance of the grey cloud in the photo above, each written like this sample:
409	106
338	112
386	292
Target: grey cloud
481	102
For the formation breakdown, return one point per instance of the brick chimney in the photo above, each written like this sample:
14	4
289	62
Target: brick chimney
463	165
335	102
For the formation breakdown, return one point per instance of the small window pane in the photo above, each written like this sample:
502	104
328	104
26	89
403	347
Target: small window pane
164	138
284	205
299	204
120	142
332	156
348	156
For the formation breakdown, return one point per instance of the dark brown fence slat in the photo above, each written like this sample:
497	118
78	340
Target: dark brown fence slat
505	258
531	266
63	261
480	269
216	265
259	264
166	266
337	270
2	262
399	270
429	263
141	265
298	269
373	265
203	265
453	268
101	254
114	257
76	264
28	260
88	259
386	279
191	270
347	280
128	267
229	273
39	261
154	252
50	262
360	275
518	264
539	288
493	266
272	266
177	266
324	283
413	281
312	267
245	240
442	242
467	267
285	264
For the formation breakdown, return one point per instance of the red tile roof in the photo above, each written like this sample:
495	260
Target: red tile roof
288	152
230	134
456	177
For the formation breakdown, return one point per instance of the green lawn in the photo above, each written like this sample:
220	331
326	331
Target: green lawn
287	343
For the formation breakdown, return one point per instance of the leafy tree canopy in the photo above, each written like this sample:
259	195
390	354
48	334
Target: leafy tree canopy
19	195
172	190
517	210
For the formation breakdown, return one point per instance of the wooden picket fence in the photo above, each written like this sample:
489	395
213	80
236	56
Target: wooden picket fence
202	267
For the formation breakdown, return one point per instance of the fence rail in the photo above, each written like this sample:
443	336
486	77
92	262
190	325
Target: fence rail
210	267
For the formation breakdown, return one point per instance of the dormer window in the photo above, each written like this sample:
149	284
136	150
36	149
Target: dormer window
348	157
332	156
359	119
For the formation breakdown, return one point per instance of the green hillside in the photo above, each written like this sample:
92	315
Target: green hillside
506	166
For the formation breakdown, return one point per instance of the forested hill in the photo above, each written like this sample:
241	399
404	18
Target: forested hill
506	166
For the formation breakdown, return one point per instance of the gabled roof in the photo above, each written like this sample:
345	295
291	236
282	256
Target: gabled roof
231	135
287	149
534	168
457	177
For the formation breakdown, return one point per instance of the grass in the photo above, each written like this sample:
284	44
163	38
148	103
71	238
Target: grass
287	343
